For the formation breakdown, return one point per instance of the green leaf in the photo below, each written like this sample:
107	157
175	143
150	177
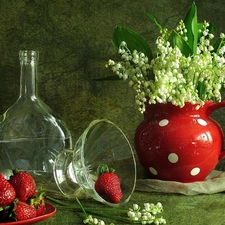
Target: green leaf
201	90
103	168
113	77
133	40
176	40
211	28
218	44
191	25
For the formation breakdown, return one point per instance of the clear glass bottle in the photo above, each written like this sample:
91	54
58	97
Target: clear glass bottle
31	134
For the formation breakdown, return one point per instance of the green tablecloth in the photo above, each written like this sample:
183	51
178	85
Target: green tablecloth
178	209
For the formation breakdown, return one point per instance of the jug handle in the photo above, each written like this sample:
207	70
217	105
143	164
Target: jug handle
212	108
222	155
215	106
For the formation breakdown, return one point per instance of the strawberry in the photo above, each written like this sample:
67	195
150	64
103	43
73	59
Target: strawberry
108	184
40	208
23	211
24	185
7	192
37	201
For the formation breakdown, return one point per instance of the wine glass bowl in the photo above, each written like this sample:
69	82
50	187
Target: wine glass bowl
101	143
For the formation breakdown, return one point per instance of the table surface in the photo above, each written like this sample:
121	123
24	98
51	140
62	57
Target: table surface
178	209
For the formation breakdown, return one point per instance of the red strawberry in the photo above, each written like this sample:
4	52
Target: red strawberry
108	184
37	201
24	185
23	211
7	192
40	209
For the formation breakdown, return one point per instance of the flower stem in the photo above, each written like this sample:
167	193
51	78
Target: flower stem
112	213
63	205
57	201
82	208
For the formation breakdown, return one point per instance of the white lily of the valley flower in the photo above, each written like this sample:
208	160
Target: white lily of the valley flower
171	76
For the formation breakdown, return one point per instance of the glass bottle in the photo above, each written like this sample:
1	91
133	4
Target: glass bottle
31	134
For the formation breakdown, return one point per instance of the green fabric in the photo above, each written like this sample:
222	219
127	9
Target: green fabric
178	209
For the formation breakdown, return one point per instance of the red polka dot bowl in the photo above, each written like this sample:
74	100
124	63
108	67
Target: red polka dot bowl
179	144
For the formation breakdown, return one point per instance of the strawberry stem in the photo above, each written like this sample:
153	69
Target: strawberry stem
15	171
103	168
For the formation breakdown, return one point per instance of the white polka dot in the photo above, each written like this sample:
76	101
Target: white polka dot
153	170
202	122
195	171
173	157
163	123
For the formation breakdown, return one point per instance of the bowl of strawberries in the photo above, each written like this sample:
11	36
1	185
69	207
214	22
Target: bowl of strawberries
20	200
101	165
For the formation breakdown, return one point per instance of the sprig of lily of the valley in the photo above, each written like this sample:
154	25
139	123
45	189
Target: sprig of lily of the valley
135	215
186	67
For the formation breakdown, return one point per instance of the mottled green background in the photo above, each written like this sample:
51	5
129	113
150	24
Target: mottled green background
74	41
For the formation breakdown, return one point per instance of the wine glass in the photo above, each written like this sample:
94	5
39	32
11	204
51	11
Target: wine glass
102	142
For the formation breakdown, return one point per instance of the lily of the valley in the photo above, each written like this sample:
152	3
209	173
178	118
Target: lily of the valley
182	70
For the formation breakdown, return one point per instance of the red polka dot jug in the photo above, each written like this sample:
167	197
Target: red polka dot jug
179	144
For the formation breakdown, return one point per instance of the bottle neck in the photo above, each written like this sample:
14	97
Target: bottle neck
28	73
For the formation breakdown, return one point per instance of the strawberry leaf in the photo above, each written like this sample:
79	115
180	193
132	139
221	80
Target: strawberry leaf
103	168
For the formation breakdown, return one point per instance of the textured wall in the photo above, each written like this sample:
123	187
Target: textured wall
74	41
